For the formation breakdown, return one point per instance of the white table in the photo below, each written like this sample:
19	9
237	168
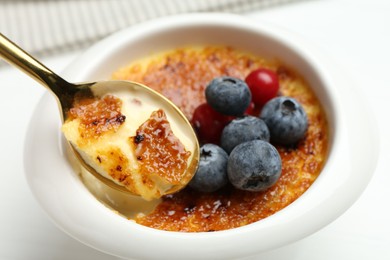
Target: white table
355	33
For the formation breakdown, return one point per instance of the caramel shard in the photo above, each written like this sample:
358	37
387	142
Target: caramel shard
159	152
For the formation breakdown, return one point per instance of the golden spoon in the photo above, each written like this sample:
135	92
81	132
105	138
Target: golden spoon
65	93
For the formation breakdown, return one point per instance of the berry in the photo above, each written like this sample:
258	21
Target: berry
228	96
211	174
208	124
264	85
286	120
242	130
254	166
250	109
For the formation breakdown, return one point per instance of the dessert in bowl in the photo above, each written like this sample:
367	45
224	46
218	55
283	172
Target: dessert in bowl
81	208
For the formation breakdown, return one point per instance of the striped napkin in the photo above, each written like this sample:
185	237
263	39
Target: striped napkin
45	27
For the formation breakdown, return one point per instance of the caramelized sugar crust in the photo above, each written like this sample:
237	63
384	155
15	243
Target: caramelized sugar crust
182	76
159	151
97	116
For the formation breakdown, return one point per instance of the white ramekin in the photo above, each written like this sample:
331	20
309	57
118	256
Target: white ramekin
351	162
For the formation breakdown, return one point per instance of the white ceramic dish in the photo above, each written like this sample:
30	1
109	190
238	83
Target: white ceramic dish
352	157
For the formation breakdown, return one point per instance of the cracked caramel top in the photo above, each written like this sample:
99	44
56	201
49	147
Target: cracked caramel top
182	75
158	150
97	116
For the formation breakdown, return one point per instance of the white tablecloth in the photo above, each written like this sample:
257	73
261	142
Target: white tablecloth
355	33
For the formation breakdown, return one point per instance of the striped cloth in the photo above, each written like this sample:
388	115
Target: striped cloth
44	27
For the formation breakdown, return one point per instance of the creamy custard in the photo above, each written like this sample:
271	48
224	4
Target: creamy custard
106	131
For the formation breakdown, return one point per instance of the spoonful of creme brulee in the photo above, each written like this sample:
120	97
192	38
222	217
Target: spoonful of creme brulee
124	133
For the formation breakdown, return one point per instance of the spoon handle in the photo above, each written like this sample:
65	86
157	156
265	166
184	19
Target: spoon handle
15	55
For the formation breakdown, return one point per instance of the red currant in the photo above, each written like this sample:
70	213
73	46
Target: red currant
264	85
251	109
208	123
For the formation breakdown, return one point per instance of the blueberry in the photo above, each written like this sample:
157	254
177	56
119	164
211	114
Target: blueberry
286	120
211	174
228	95
254	166
242	130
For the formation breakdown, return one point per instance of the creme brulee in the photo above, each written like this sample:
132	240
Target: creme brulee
182	75
116	135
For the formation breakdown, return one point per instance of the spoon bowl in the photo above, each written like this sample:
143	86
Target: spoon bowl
66	93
